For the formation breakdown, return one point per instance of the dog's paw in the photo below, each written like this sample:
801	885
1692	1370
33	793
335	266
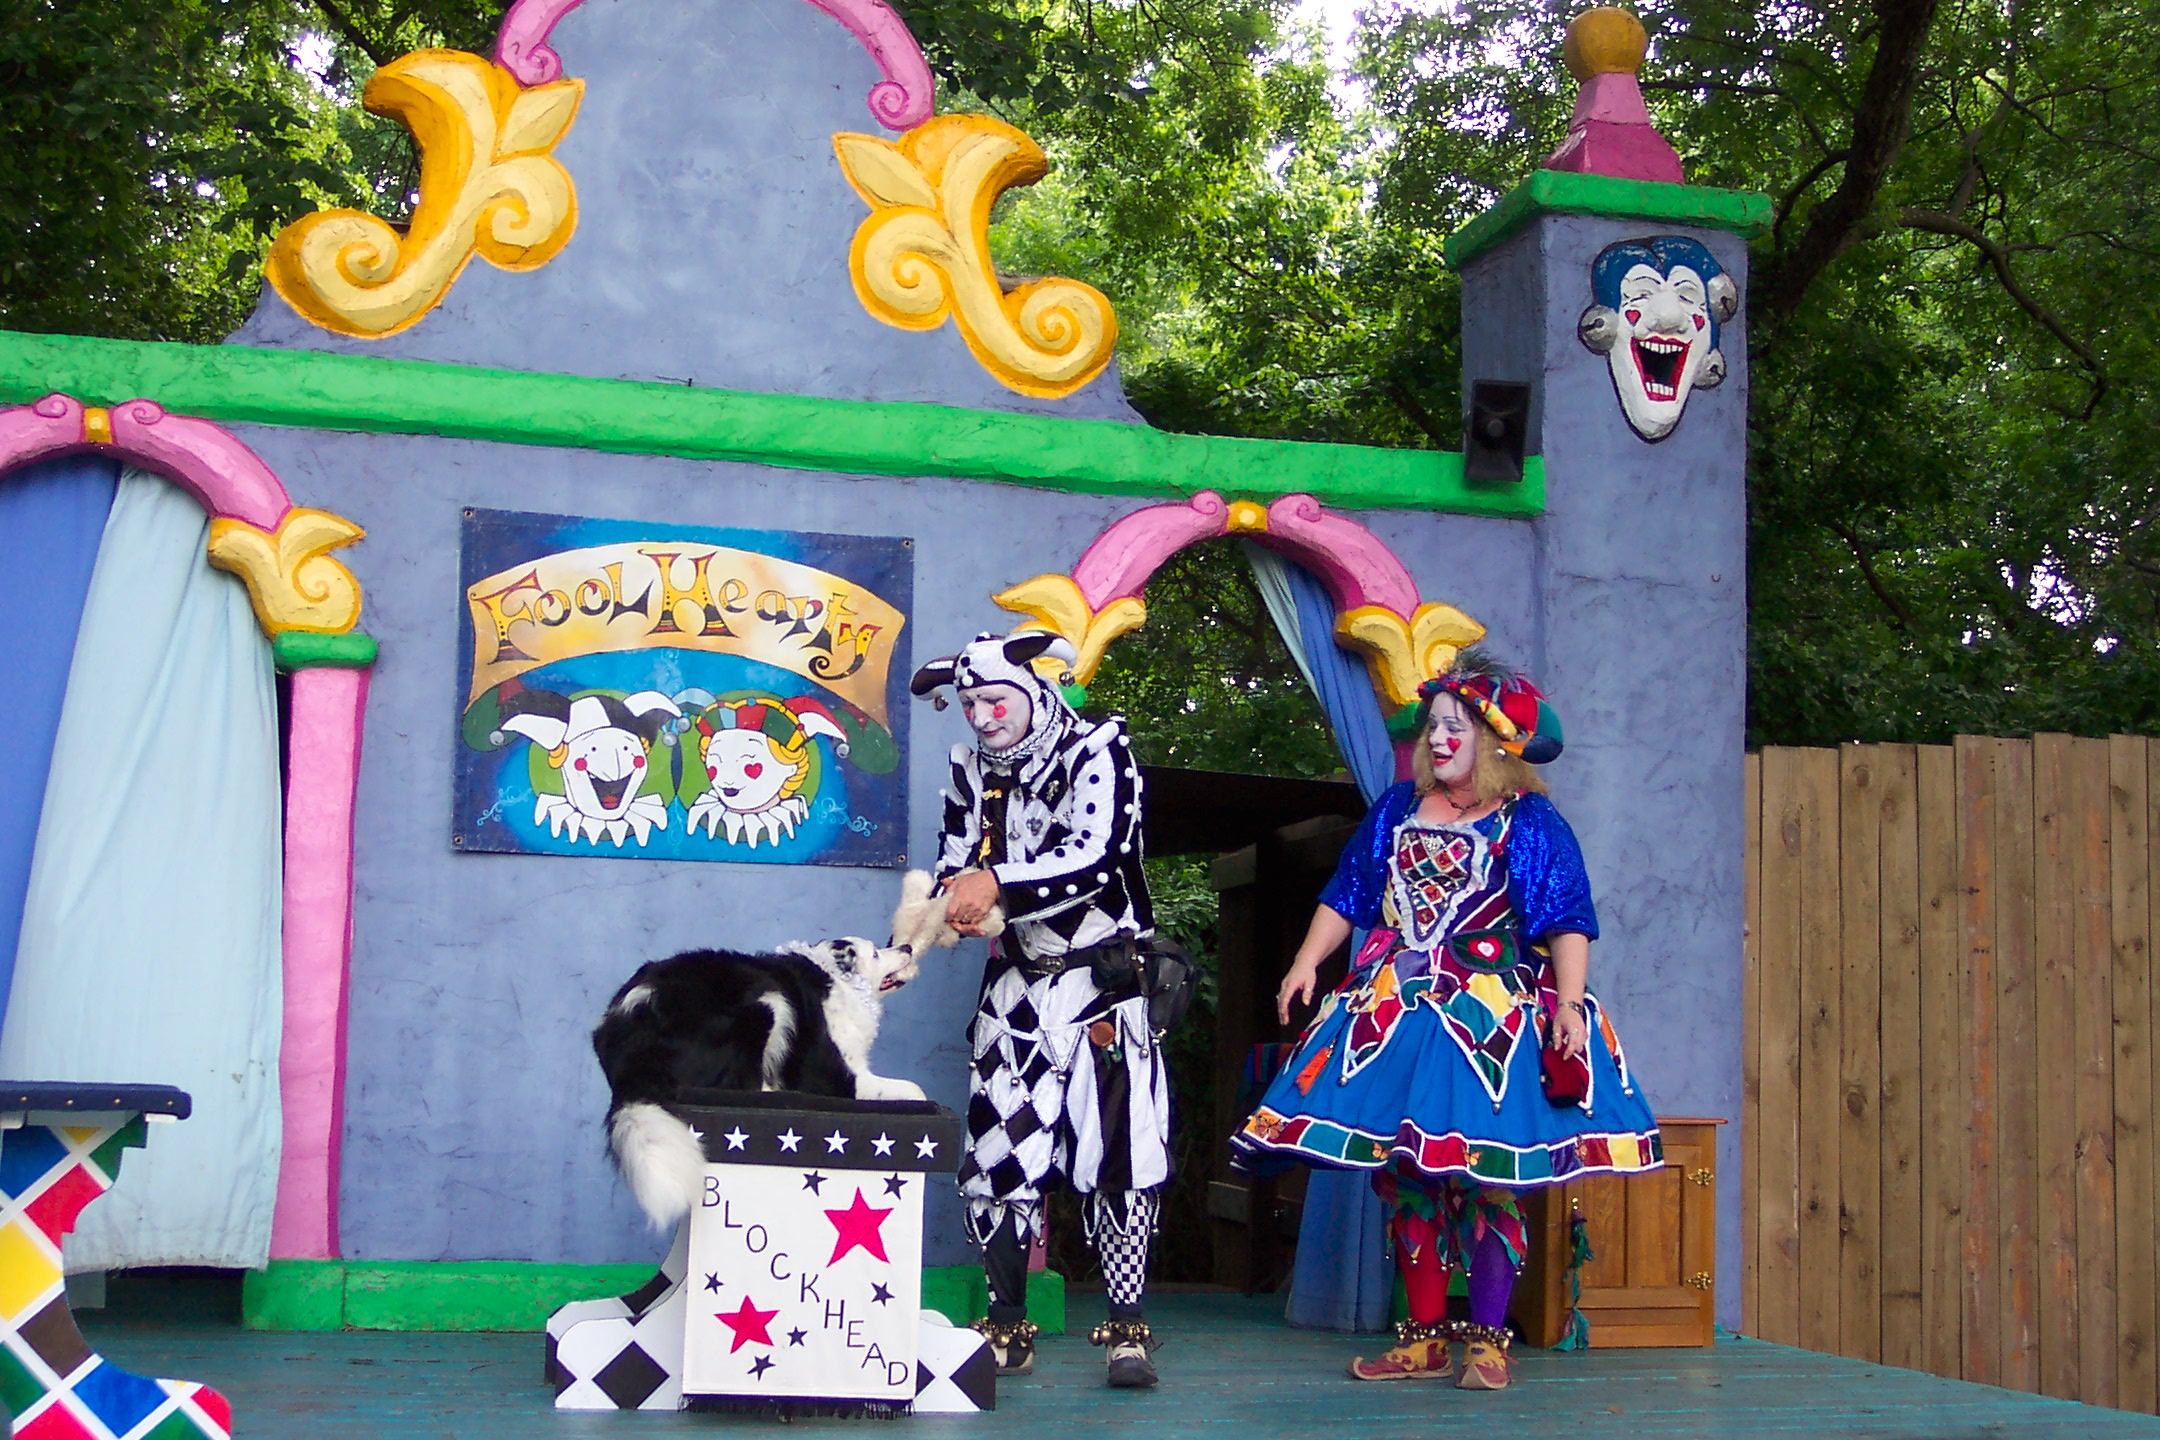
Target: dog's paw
877	1087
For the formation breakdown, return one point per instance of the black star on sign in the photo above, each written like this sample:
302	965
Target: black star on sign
811	1182
880	1294
794	1337
712	1283
894	1184
759	1366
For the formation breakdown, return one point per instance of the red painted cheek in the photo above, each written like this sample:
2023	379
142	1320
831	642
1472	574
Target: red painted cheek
580	764
997	712
713	771
637	762
1700	322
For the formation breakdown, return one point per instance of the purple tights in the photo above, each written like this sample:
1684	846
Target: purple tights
1492	1280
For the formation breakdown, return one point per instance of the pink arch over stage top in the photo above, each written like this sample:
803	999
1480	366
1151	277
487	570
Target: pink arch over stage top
323	769
1356	565
905	98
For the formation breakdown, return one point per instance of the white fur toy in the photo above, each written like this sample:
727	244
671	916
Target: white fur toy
918	922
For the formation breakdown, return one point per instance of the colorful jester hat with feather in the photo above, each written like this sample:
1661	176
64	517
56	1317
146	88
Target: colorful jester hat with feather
1517	710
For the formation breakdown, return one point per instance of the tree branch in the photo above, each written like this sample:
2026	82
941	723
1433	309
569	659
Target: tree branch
1935	222
1792	196
342	21
1881	123
1419	415
1899	616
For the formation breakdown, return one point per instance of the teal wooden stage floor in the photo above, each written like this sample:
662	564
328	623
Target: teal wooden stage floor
1230	1369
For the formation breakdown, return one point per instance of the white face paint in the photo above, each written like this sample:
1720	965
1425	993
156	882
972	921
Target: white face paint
998	714
603	772
1664	346
1452	740
745	772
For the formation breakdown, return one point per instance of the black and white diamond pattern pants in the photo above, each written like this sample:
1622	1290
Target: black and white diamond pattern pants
1067	1086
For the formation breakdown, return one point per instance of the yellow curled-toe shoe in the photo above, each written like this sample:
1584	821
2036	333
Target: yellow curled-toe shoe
1486	1363
1420	1353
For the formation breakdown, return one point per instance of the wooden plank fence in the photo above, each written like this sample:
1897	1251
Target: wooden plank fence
1949	1077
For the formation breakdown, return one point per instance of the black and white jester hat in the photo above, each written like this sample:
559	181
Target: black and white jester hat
992	659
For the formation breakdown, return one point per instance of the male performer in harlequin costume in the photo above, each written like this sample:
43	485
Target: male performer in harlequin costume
1068	1084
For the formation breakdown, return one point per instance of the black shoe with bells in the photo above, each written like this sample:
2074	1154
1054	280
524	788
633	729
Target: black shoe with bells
1129	1365
1012	1345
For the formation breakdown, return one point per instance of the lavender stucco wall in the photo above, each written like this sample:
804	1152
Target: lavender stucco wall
473	1102
711	250
713	226
1641	637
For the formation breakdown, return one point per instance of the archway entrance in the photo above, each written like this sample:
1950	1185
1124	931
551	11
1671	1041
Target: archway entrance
1234	747
1349	631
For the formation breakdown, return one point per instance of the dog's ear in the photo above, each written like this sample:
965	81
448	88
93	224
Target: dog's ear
936	674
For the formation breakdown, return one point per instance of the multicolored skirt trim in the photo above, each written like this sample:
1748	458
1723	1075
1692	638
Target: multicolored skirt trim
1488	1162
1446	1080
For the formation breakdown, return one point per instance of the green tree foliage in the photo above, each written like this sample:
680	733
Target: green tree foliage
149	149
1951	328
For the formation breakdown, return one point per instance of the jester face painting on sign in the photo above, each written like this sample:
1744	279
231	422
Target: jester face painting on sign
1658	307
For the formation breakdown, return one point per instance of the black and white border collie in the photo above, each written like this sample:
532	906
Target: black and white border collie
802	1018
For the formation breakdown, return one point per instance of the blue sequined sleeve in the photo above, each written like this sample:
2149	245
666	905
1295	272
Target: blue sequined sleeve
1546	877
1361	874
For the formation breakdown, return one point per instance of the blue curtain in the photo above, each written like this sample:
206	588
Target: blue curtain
1305	616
149	948
1342	1279
51	518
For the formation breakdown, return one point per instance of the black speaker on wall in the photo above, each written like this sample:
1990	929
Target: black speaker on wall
1495	431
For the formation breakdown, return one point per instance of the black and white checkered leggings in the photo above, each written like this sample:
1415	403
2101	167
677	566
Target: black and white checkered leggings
1120	1225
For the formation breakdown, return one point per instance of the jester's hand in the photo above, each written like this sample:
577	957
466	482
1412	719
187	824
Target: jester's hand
1570	1030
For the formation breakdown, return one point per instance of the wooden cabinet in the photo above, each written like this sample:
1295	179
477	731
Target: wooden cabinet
1654	1279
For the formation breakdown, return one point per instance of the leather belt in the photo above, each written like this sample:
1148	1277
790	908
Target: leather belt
1040	966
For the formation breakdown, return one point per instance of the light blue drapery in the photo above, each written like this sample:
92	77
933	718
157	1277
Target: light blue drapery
1341	1279
149	949
52	516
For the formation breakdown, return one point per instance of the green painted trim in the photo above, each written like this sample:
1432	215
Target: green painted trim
412	397
305	650
426	1295
1562	192
294	1295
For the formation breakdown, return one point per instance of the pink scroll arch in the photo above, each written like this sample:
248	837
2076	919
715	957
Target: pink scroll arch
1354	564
905	98
225	477
323	757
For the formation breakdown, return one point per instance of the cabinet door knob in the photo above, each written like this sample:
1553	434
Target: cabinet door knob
1702	1177
1701	1280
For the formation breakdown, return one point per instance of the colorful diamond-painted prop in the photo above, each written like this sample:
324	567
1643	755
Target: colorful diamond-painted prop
62	1153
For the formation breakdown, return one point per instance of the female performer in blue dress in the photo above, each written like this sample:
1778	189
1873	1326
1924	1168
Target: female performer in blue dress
1424	1066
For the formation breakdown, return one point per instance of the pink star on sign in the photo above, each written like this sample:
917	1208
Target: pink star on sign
751	1325
857	1228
